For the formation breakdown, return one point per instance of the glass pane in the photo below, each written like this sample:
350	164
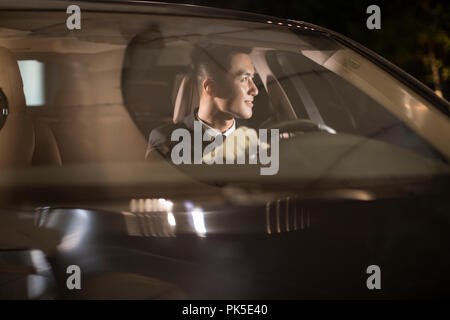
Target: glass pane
103	90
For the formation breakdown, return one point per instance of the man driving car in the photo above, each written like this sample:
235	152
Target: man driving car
224	79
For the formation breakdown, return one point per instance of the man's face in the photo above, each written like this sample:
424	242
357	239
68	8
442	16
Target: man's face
238	90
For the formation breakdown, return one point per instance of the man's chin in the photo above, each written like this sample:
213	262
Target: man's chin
246	114
243	116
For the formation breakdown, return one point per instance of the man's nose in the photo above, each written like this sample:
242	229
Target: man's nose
253	90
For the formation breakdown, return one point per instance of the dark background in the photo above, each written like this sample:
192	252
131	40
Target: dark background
414	34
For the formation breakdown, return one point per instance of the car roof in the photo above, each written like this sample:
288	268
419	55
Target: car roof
147	6
157	8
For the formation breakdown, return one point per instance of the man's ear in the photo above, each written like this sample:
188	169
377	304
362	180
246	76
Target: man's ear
209	86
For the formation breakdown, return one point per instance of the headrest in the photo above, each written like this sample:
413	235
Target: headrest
11	81
187	98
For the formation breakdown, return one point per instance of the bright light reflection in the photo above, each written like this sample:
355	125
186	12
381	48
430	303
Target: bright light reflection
79	224
33	78
199	221
171	219
189	205
169	205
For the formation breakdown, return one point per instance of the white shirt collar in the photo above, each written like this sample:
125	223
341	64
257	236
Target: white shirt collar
213	132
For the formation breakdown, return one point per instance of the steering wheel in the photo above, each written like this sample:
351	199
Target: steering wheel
299	125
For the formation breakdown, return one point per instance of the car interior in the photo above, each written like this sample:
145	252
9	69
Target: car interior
102	99
85	118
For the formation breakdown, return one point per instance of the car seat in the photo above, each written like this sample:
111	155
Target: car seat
187	97
17	139
22	141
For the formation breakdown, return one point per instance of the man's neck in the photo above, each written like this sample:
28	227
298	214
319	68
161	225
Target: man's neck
217	120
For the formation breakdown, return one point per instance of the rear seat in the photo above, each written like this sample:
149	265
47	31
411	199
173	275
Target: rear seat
17	137
79	133
46	151
97	134
22	141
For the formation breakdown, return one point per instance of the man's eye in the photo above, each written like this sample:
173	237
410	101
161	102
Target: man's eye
244	78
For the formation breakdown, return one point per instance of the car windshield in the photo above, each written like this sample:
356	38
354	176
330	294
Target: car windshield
95	97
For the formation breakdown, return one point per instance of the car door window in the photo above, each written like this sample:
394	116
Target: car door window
321	95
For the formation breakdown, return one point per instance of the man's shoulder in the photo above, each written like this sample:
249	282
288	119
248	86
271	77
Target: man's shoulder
160	137
162	134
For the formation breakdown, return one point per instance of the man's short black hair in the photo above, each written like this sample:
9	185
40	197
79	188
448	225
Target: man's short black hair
213	61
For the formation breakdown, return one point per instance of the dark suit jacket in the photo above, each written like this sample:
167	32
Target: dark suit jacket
159	139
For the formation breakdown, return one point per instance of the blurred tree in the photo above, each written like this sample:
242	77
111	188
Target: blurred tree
435	41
